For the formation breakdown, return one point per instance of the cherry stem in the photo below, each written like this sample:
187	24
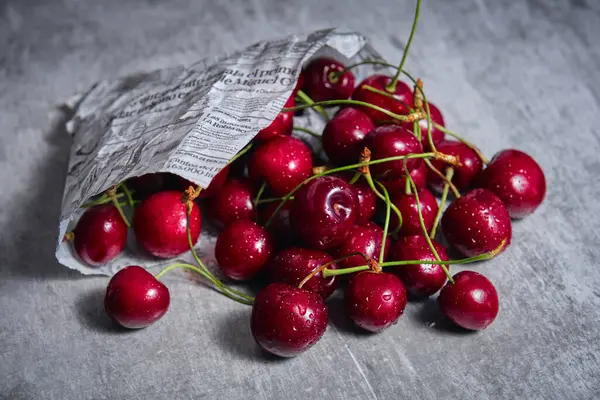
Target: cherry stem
355	178
258	196
346	168
436	221
371	183
422	223
417	130
310	103
226	290
483	158
306	130
439	173
392	86
386	224
386	94
482	257
112	194
104	199
241	153
271	200
403	118
128	195
327	264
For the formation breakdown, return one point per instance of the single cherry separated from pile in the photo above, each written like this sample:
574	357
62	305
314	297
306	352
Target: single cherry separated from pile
370	213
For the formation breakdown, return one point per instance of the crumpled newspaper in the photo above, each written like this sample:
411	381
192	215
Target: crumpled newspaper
188	120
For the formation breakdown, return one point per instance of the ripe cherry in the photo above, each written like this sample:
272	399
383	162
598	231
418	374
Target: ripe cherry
365	239
517	180
243	249
464	174
283	163
215	185
421	279
287	321
323	212
477	223
375	301
436	135
282	124
470	302
100	235
407	205
391	141
418	175
281	226
367	199
321	81
344	134
402	94
160	224
135	299
233	202
294	264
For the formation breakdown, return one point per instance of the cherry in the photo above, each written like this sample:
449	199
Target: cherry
283	163
232	202
381	82
135	299
421	279
517	179
100	235
243	249
323	212
287	321
464	174
294	264
418	175
375	300
322	83
282	124
280	227
391	141
147	184
407	205
477	223
343	136
436	135
215	185
367	199
160	224
471	302
365	239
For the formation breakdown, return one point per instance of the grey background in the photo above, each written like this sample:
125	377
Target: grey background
505	73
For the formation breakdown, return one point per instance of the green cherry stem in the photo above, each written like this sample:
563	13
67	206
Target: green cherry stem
392	86
258	196
483	158
112	195
128	195
104	199
371	183
436	221
241	153
355	178
386	225
306	130
482	257
386	94
439	173
272	200
310	103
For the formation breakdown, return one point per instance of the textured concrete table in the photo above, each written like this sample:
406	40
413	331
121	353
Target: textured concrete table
510	73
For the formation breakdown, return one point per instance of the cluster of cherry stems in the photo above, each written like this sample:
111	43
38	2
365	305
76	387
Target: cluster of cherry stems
386	141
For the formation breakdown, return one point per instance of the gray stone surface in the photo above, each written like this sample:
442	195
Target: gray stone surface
506	73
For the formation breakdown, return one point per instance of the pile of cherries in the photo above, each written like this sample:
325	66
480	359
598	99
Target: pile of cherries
369	212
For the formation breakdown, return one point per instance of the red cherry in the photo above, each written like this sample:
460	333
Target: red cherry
287	321
381	82
367	199
365	239
477	223
392	141
420	279
323	212
418	175
282	124
343	136
294	264
407	205
135	299
464	174
470	302
147	184
283	163
243	249
320	84
233	202
436	135
281	226
375	301
160	224
100	235
517	179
